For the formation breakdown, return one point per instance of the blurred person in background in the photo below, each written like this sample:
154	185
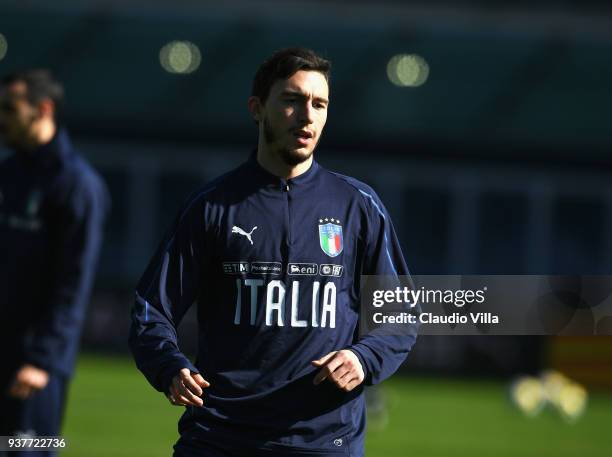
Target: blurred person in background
272	254
52	209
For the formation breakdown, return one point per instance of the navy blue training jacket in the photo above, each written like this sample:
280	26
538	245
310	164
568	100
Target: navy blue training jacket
273	267
52	209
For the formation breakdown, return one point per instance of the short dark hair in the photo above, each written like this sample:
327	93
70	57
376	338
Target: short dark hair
40	83
285	63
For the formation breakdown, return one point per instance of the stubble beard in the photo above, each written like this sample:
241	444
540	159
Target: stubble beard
291	157
17	138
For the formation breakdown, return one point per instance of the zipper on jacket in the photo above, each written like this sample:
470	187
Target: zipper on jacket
287	190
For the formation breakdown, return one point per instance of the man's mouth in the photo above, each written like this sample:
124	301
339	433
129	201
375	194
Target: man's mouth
303	136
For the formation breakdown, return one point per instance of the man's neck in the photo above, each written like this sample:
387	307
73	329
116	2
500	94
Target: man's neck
42	135
45	133
274	164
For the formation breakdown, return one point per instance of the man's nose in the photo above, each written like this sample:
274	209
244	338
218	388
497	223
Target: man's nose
307	113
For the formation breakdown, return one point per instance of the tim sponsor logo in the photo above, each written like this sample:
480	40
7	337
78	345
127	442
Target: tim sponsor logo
329	269
266	268
235	268
309	269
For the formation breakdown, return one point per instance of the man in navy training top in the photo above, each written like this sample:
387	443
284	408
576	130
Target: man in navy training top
52	208
271	254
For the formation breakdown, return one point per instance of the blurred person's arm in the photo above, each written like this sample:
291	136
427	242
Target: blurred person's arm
28	380
76	220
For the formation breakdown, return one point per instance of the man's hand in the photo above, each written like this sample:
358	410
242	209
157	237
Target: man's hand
340	367
28	380
186	389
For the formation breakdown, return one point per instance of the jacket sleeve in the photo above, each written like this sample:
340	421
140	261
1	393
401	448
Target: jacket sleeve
76	228
164	294
382	354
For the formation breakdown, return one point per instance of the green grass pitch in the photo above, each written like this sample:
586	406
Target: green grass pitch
113	412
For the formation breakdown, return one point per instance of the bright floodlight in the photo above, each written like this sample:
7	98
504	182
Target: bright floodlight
528	395
553	382
407	70
3	46
572	401
180	57
567	396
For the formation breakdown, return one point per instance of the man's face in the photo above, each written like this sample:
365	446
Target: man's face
16	115
294	115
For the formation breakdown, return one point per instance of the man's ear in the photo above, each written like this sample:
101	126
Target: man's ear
46	108
255	107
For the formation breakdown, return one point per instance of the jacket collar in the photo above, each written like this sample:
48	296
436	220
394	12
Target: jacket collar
51	153
299	181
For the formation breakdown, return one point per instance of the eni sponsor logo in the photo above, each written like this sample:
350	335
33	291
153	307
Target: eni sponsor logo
303	269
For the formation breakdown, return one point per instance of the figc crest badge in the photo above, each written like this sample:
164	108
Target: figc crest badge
330	236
